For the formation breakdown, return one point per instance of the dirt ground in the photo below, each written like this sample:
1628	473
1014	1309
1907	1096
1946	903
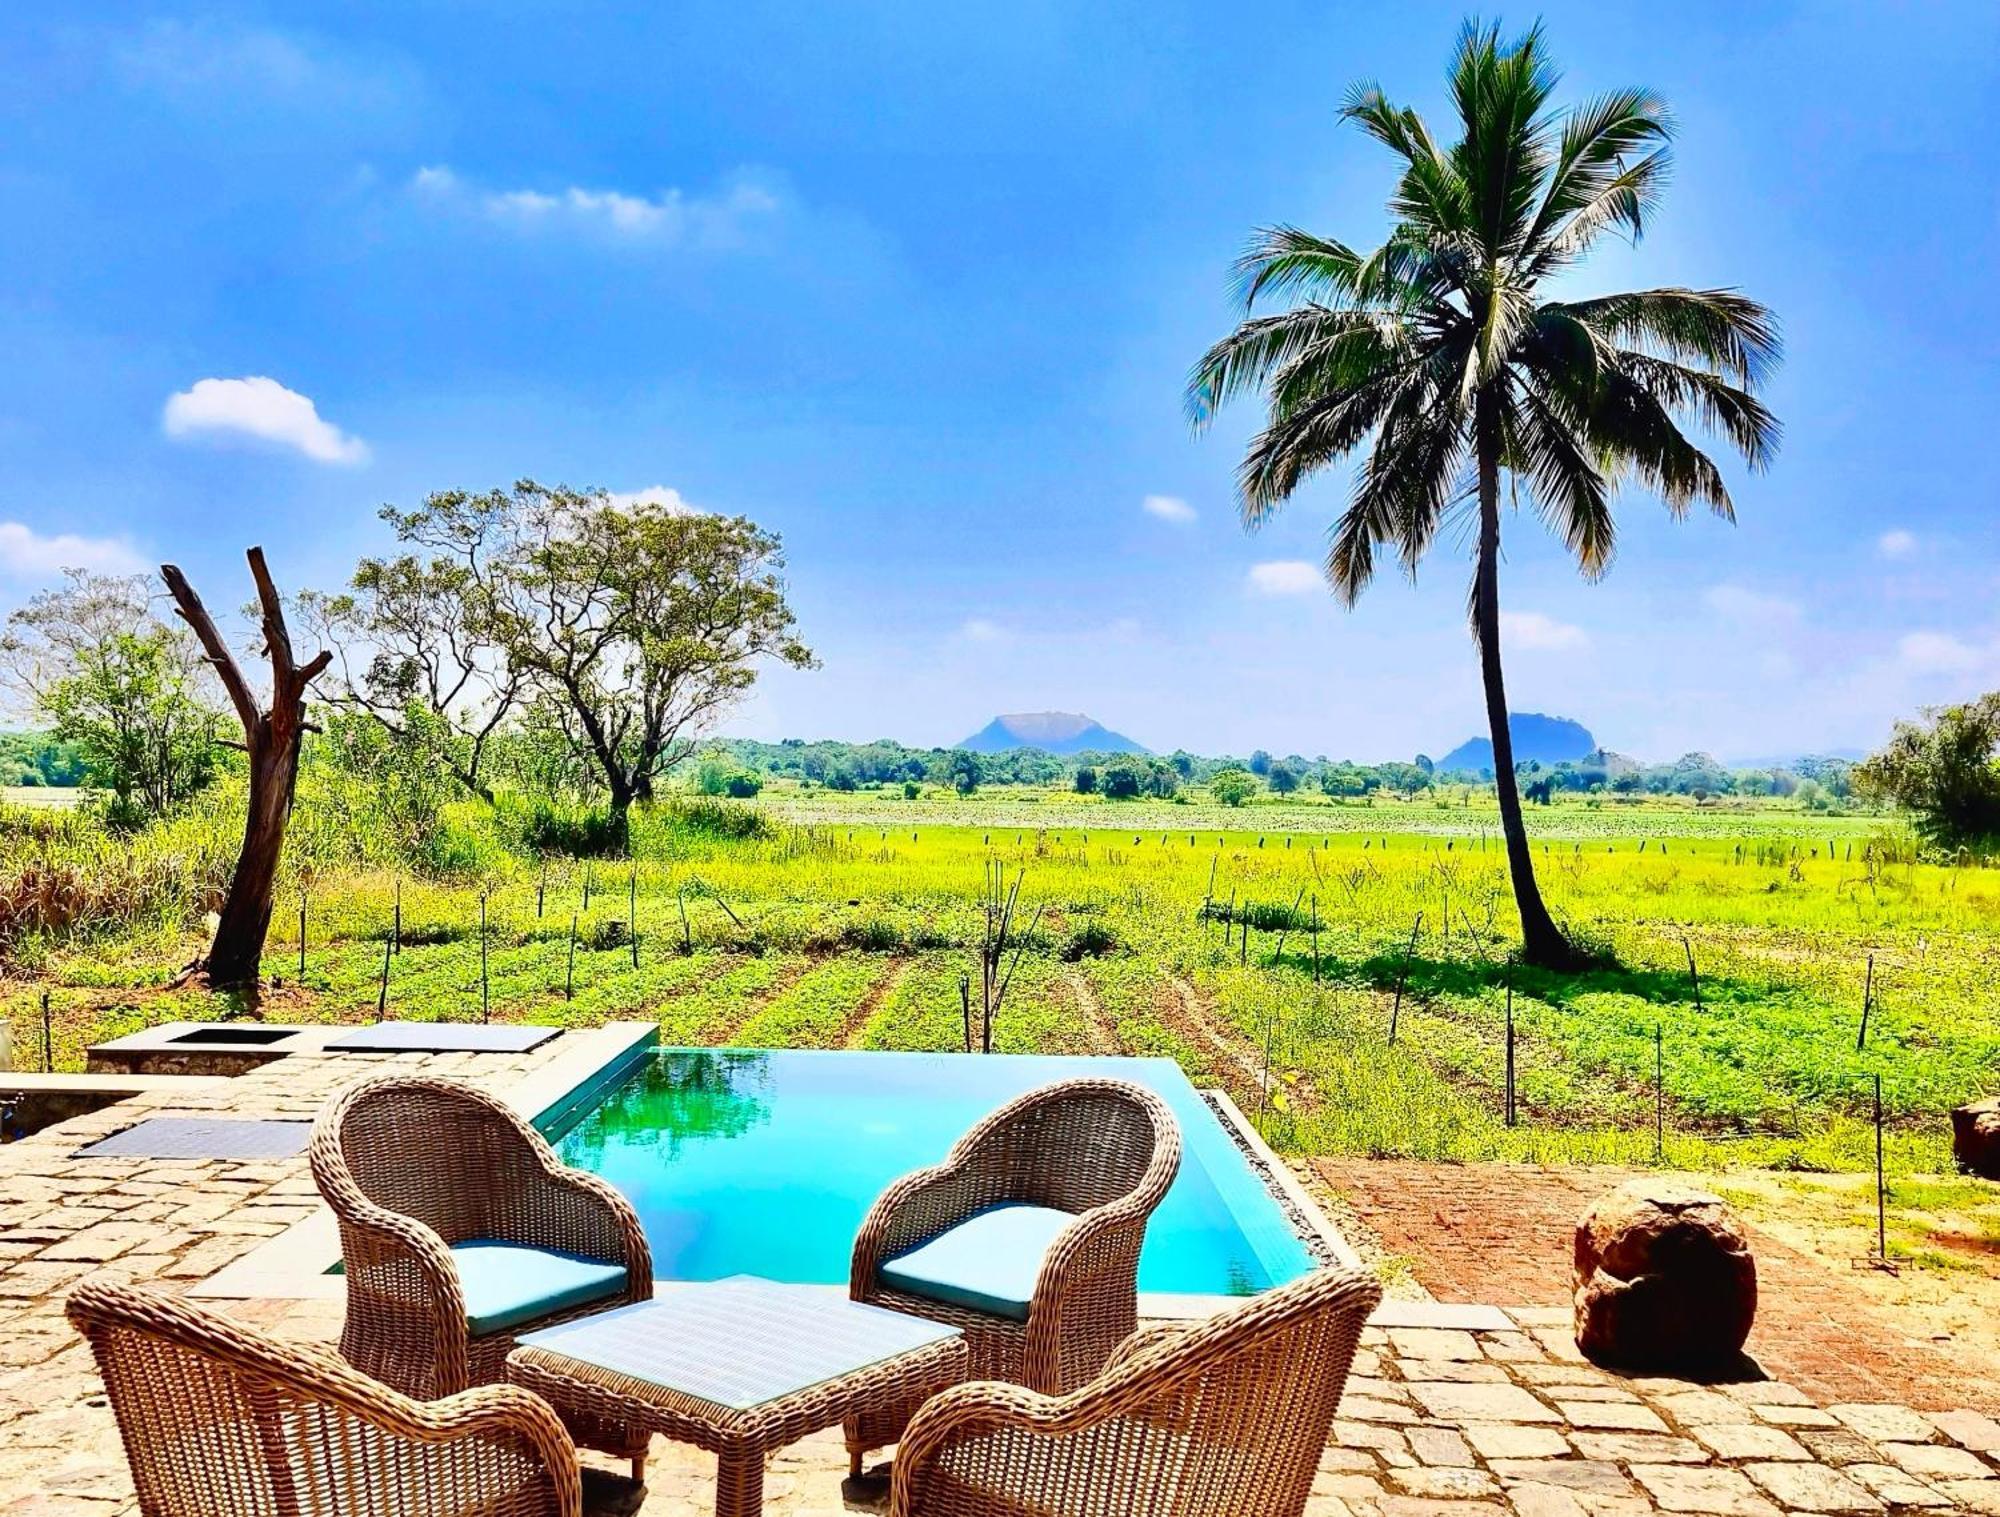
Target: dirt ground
1927	1334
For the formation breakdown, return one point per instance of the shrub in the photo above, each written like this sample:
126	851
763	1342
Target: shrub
568	828
716	819
1093	940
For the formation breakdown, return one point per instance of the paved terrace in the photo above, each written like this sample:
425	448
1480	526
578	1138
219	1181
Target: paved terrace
1494	1414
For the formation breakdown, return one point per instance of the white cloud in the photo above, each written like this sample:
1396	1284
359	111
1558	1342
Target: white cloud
1937	653
1896	543
979	629
1537	633
670	219
261	408
1285	576
671	501
1752	608
1168	508
26	554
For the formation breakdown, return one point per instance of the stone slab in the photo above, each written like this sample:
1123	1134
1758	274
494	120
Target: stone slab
202	1138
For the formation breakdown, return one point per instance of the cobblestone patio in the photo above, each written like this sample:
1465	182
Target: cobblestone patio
1438	1420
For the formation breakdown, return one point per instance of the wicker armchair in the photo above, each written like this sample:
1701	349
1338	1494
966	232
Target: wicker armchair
1104	1150
414	1168
221	1421
1226	1418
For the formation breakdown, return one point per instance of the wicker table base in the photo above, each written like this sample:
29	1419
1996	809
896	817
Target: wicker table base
740	1368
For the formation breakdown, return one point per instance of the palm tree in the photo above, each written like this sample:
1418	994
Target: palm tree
1440	359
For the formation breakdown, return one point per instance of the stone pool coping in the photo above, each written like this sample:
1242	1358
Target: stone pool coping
294	1265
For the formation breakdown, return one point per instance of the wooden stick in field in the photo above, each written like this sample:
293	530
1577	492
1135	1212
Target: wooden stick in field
1396	1010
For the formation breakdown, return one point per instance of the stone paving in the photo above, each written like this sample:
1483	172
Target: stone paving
1437	1421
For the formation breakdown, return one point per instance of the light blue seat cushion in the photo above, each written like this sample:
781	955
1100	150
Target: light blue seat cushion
987	1263
506	1284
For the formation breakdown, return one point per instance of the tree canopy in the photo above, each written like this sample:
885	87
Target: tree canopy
625	628
1944	769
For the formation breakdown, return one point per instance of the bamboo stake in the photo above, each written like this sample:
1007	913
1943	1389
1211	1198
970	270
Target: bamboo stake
1396	1010
485	983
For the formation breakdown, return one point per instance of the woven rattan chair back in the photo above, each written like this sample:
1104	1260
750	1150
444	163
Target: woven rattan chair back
452	1157
1080	1144
220	1421
1225	1419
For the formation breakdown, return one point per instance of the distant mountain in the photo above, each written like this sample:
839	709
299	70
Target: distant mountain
1545	739
1793	761
1059	732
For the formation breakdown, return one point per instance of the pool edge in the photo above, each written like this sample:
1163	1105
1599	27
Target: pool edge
1277	1175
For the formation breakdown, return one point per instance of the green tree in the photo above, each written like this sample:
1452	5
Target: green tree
126	691
1122	781
1085	781
632	628
415	633
1442	358
1282	779
1946	770
711	775
964	771
1233	787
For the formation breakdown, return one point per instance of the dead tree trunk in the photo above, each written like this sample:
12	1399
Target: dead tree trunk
271	739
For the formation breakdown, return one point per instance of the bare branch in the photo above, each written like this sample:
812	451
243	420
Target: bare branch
188	606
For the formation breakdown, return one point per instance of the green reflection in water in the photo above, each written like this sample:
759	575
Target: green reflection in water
686	1097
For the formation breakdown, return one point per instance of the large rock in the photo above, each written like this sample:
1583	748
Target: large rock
1975	1137
1664	1279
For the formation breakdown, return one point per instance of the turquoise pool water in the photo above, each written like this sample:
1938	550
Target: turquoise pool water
763	1163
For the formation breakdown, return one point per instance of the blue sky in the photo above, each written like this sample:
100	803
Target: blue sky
917	285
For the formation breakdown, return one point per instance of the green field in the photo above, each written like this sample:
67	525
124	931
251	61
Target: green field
851	921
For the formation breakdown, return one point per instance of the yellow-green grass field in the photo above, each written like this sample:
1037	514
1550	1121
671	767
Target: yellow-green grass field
851	921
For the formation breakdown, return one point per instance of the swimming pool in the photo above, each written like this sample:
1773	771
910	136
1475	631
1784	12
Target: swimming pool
744	1161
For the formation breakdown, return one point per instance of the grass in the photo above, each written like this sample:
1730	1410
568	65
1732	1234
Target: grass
850	921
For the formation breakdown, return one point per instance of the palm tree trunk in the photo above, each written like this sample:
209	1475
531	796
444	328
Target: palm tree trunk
1542	942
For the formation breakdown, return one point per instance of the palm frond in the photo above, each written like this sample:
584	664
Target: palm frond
1403	488
1263	346
1503	157
1429	193
1597	139
1722	329
1570	491
1346	362
1627	199
1637	437
1718	405
1284	260
1291	447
